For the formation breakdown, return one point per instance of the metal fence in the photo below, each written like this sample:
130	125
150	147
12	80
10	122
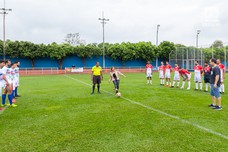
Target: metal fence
40	71
186	56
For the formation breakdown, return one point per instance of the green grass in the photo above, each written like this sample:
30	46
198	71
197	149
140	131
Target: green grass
58	114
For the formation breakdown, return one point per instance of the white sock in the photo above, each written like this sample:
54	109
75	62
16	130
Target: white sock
201	86
206	87
178	84
167	83
223	86
174	83
189	84
183	83
161	81
170	83
148	81
197	87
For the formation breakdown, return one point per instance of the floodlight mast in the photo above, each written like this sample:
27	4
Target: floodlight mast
103	22
197	38
197	45
158	26
4	11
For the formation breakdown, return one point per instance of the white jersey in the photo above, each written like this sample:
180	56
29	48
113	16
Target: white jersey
1	76
176	74
198	70
17	75
148	70
2	82
161	71
7	72
12	71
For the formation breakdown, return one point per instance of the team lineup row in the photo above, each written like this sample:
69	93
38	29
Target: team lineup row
199	74
9	81
214	76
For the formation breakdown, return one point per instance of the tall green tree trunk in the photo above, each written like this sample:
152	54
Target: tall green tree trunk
123	63
84	61
32	63
60	62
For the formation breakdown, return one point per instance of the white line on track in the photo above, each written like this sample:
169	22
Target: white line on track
158	111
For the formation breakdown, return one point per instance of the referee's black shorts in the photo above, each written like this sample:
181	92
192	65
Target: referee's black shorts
96	79
207	79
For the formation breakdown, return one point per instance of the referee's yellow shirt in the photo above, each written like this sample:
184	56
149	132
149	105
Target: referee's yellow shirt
96	70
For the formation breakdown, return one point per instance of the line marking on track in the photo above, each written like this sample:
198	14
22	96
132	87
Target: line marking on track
158	111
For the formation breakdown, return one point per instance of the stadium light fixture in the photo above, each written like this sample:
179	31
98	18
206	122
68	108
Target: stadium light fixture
103	22
4	11
197	38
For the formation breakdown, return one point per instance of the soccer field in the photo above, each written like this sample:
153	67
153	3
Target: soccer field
57	113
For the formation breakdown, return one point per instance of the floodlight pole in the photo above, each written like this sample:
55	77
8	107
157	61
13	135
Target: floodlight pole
157	43
4	12
103	22
225	57
197	38
197	45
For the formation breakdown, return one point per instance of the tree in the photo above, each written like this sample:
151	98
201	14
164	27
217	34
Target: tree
1	47
74	39
12	48
145	51
106	46
165	49
59	52
29	50
217	44
87	52
179	45
121	52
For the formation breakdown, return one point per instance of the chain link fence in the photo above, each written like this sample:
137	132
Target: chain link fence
185	56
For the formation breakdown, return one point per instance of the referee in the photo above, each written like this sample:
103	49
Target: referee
96	77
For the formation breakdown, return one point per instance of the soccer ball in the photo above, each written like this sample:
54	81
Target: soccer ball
118	94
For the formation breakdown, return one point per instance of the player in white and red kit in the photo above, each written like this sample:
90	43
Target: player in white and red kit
168	70
149	68
176	76
161	70
223	73
186	76
198	70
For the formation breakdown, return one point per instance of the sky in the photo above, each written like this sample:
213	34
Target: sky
47	21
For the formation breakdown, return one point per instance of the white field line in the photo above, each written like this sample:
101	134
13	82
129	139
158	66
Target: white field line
158	111
3	109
